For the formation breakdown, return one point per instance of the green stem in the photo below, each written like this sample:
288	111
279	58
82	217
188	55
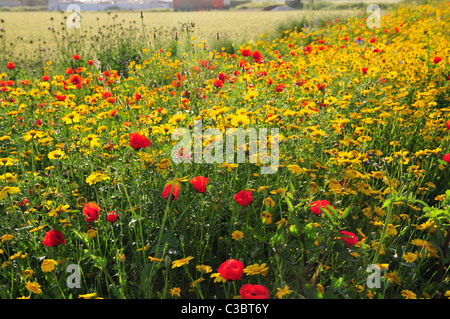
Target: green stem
59	287
166	214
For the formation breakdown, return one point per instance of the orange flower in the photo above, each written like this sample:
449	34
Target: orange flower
91	211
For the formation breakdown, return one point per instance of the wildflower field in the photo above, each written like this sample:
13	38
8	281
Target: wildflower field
95	203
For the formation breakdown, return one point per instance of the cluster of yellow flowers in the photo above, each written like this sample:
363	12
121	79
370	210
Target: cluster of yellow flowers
363	115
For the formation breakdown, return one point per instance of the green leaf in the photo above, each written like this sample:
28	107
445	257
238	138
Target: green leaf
290	207
333	210
260	238
346	212
328	214
82	236
99	262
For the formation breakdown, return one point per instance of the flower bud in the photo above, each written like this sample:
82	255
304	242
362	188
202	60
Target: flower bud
167	261
66	148
121	188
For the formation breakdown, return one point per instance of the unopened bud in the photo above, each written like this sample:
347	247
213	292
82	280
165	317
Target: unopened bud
81	202
121	188
66	148
167	261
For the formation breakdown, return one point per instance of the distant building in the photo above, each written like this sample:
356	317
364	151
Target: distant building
10	3
105	5
196	5
53	5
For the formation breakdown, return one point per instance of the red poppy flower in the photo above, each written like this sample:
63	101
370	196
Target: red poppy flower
138	141
307	49
244	198
106	94
176	84
257	57
246	52
231	269
76	80
53	238
446	158
60	97
316	205
168	189
437	60
351	238
137	97
203	63
90	62
199	183
279	87
10	65
91	211
222	77
45	78
112	216
70	71
76	57
249	291
364	70
447	124
218	83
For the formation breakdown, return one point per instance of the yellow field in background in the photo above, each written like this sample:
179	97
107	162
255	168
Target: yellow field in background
235	25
